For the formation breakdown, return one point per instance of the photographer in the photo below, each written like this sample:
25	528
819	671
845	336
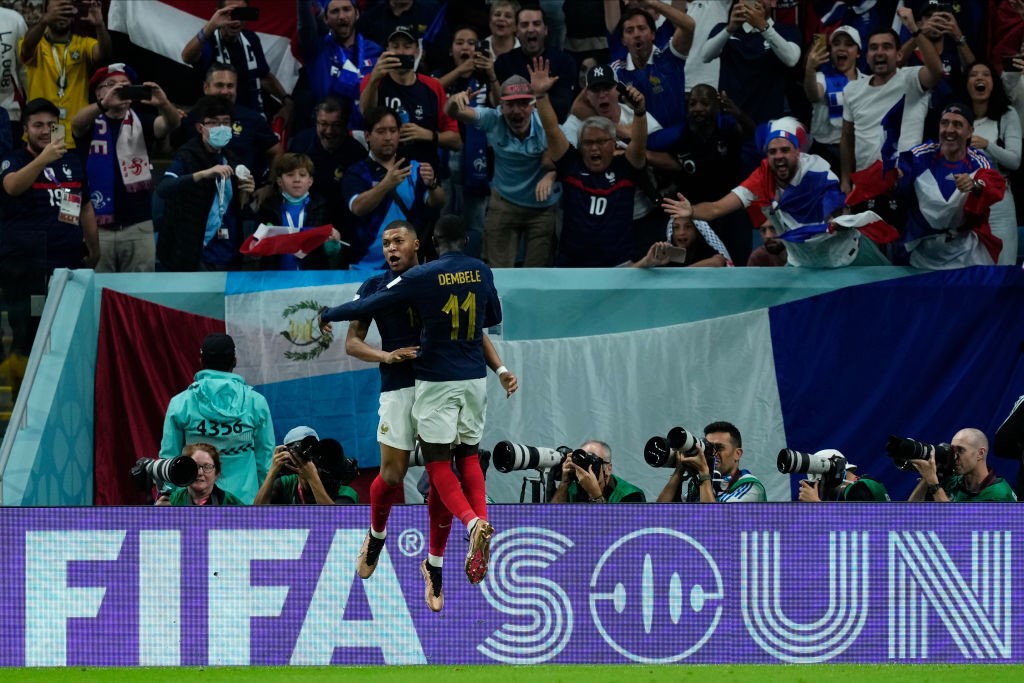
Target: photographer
312	469
599	485
203	490
850	488
736	486
972	480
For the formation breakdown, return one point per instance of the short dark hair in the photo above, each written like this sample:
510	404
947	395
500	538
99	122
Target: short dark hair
395	225
375	115
209	106
727	427
884	31
531	7
219	66
449	229
635	12
331	105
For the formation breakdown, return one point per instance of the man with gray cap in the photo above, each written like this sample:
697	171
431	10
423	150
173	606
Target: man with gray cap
219	408
308	471
524	196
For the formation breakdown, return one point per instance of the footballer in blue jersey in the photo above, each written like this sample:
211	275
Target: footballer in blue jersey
455	299
399	329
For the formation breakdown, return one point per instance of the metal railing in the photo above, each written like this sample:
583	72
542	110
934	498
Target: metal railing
41	346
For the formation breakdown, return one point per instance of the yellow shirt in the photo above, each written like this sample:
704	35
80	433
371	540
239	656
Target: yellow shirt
54	65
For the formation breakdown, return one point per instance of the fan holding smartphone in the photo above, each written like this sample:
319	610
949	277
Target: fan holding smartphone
226	38
118	131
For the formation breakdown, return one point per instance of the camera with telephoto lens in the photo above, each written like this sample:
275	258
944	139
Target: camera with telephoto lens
509	457
820	465
581	458
658	451
903	450
328	455
161	472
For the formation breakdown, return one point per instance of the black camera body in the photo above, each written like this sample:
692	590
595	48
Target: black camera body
328	455
902	450
580	458
658	451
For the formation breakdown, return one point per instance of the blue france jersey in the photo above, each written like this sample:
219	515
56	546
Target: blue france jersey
455	299
399	327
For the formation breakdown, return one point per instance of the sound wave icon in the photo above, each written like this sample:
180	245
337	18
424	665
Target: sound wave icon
669	561
698	596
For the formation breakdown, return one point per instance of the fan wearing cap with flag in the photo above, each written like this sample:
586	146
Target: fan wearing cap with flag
799	194
119	134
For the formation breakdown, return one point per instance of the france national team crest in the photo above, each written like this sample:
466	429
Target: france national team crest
610	177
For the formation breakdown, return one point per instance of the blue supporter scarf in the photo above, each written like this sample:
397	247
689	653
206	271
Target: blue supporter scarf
102	163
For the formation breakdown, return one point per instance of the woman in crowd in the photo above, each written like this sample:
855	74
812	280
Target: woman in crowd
997	132
204	490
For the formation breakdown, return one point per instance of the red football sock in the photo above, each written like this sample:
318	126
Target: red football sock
440	522
473	483
450	490
382	497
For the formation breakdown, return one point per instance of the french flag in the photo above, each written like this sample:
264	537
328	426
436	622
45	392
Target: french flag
816	196
869	223
879	177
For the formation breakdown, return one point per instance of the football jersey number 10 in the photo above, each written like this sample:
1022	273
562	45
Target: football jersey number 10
454	309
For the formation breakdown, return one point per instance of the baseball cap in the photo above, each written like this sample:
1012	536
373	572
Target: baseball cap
516	88
832	452
296	434
964	111
41	104
601	74
218	344
849	31
106	72
931	6
409	32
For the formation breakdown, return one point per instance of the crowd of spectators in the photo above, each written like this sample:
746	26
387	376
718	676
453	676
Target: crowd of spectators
556	129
